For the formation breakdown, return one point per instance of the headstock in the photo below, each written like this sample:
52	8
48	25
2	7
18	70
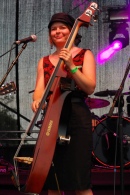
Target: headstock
8	88
88	14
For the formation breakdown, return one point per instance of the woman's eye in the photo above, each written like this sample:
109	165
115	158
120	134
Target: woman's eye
63	27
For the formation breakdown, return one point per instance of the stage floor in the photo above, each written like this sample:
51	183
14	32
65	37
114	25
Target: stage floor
104	180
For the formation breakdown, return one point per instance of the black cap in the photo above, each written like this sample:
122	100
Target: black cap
67	19
62	17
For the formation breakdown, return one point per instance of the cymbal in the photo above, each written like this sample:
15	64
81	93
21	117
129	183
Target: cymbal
109	93
106	93
126	93
96	103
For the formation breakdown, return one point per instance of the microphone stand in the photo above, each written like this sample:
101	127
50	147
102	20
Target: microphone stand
11	66
116	98
7	52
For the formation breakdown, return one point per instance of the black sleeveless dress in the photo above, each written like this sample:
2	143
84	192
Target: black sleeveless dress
71	168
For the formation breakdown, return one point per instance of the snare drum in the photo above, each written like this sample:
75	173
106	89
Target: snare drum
105	136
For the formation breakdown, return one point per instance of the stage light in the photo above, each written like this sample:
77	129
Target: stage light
118	39
119	33
108	52
119	13
117	45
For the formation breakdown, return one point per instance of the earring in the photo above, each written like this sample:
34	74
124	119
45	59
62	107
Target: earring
51	45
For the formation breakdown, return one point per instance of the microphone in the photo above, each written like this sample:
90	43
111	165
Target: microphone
32	38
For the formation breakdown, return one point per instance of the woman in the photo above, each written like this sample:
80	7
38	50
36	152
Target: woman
72	162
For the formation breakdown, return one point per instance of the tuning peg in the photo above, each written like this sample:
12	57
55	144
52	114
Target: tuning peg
95	18
94	6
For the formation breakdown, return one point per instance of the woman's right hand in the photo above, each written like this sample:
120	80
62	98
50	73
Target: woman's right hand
35	105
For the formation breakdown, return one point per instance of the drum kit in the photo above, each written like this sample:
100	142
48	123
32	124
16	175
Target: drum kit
106	134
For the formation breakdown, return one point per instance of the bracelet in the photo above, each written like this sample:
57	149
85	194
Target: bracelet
74	70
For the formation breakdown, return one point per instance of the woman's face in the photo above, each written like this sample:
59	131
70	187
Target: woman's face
59	33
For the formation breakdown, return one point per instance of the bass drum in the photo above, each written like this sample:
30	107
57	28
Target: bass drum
105	137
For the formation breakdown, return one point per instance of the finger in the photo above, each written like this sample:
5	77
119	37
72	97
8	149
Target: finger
62	56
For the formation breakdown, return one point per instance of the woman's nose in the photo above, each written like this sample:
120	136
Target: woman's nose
57	30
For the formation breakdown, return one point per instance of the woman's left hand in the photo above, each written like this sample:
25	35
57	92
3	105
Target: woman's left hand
66	55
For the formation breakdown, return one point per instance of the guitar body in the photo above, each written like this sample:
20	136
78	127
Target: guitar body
45	146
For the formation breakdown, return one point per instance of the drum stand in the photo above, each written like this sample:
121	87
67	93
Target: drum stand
117	98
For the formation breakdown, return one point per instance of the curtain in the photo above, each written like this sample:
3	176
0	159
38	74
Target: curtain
33	18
